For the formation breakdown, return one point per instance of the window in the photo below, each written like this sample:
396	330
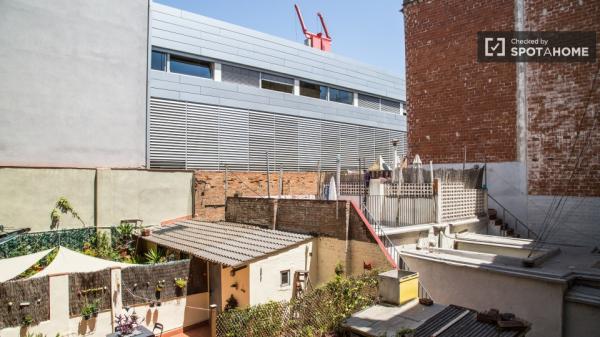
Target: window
369	102
159	60
277	83
390	106
285	278
341	96
240	75
186	66
313	90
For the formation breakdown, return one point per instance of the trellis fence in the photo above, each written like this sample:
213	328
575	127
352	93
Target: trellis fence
316	313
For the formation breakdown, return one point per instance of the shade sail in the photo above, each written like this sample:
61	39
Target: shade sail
14	266
68	261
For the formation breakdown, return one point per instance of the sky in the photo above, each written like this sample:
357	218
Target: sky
368	31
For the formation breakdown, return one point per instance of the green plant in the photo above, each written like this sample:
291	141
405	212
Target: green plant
39	334
181	282
232	303
339	269
39	265
404	332
153	257
88	309
62	206
100	246
26	321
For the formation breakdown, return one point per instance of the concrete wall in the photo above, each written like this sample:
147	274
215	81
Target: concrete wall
73	83
265	274
539	302
101	197
173	314
580	320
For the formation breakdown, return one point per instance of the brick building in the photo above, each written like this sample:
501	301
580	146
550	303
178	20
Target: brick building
529	121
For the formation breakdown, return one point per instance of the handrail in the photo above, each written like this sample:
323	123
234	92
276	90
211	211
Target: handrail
390	247
517	220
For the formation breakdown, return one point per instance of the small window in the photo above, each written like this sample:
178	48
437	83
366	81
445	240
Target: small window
277	83
285	278
159	60
390	106
340	96
313	90
186	66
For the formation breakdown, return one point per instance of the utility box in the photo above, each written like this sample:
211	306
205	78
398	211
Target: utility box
398	286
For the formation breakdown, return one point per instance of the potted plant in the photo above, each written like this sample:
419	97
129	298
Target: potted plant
95	308
26	321
181	283
87	311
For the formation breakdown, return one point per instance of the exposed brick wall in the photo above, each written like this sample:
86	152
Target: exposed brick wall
209	189
314	217
556	99
453	101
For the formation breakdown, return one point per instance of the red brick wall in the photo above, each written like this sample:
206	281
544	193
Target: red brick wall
453	101
209	188
556	98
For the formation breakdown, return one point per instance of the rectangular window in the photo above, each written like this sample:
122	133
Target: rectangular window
159	60
390	106
240	75
285	278
187	66
340	96
277	83
313	90
369	102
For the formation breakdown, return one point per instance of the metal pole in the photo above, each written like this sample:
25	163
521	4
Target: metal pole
268	177
213	320
280	181
337	178
225	183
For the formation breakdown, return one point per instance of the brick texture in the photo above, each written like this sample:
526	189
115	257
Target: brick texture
453	101
557	98
456	102
209	188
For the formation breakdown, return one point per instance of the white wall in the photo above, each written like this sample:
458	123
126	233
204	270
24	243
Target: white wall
73	83
539	302
173	314
267	286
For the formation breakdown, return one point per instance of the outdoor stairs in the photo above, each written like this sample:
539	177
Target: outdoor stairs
498	227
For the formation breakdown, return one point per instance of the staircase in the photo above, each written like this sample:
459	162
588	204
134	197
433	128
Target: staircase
507	224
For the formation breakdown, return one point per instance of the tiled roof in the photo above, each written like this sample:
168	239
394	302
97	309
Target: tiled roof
227	243
458	321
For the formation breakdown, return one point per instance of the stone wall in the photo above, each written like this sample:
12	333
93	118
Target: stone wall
209	188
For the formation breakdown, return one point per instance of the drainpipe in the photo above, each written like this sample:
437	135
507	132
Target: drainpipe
347	256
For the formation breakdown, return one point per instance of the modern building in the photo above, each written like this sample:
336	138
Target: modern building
140	84
135	85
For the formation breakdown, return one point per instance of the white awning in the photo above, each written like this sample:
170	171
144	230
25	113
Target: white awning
14	266
68	261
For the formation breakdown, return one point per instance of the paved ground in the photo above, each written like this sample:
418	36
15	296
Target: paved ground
198	331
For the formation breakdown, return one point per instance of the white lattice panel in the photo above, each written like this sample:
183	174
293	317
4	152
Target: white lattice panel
408	190
459	202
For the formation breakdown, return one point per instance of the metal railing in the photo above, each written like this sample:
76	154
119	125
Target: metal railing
400	211
516	222
390	247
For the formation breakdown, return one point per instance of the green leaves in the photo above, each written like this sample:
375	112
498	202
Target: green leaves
153	256
64	207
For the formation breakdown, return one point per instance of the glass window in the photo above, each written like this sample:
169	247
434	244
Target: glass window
159	60
285	278
186	66
341	96
277	83
313	90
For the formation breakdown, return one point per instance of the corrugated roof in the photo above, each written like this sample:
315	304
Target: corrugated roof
228	243
465	326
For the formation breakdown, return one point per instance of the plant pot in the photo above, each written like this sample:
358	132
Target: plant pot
95	314
146	232
158	304
86	317
179	291
151	304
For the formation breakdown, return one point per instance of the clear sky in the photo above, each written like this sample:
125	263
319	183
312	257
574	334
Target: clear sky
367	31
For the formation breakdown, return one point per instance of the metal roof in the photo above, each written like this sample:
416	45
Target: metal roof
227	243
459	321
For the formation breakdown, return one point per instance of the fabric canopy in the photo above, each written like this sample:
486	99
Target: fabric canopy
14	266
68	261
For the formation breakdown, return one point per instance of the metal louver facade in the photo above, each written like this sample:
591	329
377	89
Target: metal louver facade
185	135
